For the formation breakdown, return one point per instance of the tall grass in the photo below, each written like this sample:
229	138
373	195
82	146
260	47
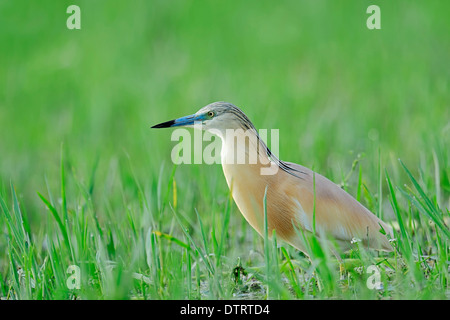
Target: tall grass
84	181
198	259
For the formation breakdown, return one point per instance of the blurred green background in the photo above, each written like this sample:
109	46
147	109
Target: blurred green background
337	91
312	69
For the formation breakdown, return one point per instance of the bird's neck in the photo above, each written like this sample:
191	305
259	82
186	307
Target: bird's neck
245	157
248	171
243	147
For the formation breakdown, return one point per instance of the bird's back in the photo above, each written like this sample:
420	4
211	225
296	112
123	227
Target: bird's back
337	213
294	196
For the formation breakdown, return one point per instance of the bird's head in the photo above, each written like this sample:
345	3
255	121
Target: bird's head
215	117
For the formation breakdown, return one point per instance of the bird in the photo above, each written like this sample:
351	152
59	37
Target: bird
283	196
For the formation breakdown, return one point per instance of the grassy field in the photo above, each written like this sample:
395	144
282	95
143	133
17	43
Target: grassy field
85	182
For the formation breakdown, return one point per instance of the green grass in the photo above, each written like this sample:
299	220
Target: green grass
84	180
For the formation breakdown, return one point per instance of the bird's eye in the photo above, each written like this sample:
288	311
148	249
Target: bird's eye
211	114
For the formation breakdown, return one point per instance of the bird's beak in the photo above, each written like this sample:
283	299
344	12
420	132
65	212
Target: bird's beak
180	122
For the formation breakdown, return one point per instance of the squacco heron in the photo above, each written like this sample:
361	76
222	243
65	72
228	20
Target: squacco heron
297	199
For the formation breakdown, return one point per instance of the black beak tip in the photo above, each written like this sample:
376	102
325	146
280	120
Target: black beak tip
166	124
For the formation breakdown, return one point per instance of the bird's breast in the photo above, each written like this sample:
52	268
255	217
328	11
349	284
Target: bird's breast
248	188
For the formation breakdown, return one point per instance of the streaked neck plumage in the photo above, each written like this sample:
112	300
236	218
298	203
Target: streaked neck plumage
243	147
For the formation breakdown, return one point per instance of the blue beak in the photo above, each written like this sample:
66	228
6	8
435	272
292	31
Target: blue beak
184	121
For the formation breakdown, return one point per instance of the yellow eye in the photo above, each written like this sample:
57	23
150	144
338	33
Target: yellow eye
210	114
